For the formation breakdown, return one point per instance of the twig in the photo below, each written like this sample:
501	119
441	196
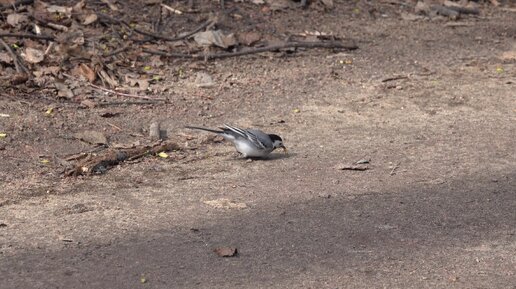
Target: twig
114	126
127	102
117	51
127	94
156	35
256	50
394	78
33	36
353	168
394	168
18	64
178	12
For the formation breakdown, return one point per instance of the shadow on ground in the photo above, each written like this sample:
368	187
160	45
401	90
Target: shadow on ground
468	225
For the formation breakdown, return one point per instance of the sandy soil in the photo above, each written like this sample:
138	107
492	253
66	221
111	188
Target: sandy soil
436	208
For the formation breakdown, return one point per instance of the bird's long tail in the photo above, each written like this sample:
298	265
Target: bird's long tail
205	129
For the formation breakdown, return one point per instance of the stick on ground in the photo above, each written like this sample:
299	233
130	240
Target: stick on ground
333	44
100	163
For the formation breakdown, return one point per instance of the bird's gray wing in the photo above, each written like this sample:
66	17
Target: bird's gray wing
250	135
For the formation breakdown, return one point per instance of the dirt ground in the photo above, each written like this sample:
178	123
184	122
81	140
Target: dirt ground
435	209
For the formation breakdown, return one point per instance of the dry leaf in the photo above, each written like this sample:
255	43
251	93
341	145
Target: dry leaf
110	3
249	38
225	204
276	5
92	137
215	37
88	103
328	3
79	6
5	58
32	55
60	9
63	90
108	78
19	78
15	19
226	251
83	70
163	155
90	19
204	80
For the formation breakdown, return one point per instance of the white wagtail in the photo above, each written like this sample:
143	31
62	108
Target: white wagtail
251	143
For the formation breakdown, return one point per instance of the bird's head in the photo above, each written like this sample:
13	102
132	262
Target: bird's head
277	142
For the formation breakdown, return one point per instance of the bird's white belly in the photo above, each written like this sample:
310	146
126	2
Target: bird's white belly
249	151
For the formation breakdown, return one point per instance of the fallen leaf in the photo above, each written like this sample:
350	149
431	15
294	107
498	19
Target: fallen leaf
111	5
44	161
422	8
5	58
215	37
328	3
88	103
249	38
3	134
204	80
411	17
19	78
226	251
276	5
106	77
63	90
49	111
163	155
92	137
15	19
32	55
225	204
83	70
67	11
90	19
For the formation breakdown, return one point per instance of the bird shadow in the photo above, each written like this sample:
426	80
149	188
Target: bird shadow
271	157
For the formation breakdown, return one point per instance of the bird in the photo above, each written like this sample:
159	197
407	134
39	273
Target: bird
251	143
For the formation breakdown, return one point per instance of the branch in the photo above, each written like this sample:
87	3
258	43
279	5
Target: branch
33	36
332	44
127	94
156	35
18	64
100	163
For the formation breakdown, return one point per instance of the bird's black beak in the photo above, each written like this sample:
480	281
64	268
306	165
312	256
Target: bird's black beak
284	149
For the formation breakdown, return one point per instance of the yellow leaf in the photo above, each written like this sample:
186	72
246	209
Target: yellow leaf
147	68
143	280
44	161
163	155
3	134
49	111
296	110
499	69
